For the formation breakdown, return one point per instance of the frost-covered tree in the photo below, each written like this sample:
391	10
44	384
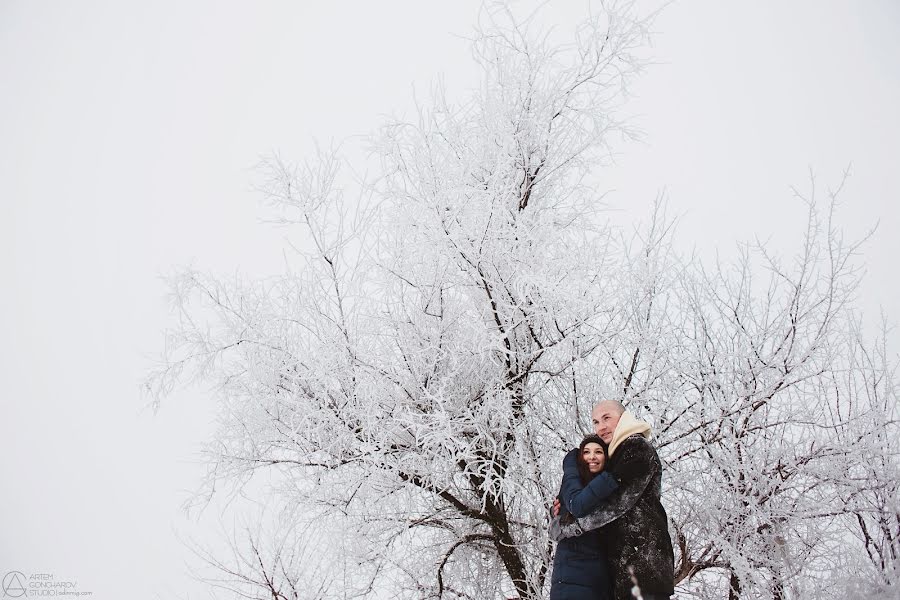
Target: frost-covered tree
417	366
444	327
759	449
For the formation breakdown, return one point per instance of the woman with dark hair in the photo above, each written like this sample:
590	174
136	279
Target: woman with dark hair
581	570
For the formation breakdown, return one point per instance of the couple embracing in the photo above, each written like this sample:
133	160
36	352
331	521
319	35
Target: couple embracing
611	529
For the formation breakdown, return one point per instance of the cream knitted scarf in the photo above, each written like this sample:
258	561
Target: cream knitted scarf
627	426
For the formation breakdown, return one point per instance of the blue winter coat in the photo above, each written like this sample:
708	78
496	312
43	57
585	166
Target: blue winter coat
581	569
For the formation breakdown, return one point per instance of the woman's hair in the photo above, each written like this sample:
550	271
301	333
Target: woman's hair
583	470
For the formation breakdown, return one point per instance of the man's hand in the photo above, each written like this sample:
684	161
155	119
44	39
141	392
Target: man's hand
555	510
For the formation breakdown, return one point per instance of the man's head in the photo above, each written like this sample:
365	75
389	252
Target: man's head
605	417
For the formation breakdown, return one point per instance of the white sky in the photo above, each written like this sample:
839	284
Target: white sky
128	133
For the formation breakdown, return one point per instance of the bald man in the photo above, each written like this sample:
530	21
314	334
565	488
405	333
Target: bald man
632	519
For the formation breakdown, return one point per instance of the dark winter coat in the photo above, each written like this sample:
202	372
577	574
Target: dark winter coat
632	522
580	566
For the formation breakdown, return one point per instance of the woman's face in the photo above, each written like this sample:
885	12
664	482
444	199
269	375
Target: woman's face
594	457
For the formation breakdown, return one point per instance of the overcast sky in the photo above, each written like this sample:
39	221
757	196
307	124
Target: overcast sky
128	136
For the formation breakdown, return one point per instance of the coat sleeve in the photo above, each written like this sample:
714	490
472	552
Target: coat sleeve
580	499
636	469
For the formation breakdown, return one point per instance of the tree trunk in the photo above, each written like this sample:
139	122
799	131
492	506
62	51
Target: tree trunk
734	585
